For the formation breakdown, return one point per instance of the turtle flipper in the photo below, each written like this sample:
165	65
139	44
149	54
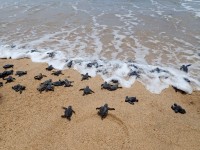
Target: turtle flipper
63	116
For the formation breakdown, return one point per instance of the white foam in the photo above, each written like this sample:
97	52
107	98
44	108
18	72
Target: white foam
154	80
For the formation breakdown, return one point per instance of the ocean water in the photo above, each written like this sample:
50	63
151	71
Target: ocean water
111	38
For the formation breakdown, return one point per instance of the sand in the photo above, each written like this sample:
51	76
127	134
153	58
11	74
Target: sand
33	121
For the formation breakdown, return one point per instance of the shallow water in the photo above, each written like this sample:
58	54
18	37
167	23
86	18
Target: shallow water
114	33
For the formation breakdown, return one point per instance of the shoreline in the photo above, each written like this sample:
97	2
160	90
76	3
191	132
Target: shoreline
32	120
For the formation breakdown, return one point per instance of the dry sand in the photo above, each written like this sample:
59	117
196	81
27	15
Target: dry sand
33	121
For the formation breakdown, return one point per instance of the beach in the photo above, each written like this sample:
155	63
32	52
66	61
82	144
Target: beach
33	121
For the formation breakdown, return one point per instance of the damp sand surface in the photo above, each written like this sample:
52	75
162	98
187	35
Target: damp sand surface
33	121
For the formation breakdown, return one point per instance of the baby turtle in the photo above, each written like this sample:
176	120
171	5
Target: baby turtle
49	68
46	86
103	111
8	66
51	54
57	73
69	64
105	85
1	84
67	83
178	109
85	76
114	87
179	90
185	68
19	88
115	81
49	87
58	83
131	100
6	73
9	79
134	73
68	112
39	77
89	65
21	73
86	90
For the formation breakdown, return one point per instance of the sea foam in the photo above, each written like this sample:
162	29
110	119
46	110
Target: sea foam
154	78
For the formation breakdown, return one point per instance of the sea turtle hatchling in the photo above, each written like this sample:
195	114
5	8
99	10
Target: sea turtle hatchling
21	73
103	111
178	109
1	84
39	77
86	90
57	73
9	79
6	73
85	76
8	66
46	86
67	83
185	68
58	83
114	87
68	112
131	100
19	88
49	68
105	85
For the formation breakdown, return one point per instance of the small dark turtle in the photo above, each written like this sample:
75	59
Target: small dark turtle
114	81
49	87
105	85
19	88
8	66
187	80
6	73
46	86
34	50
158	70
89	65
178	109
51	54
42	88
21	73
39	77
86	90
69	64
68	112
58	83
131	100
114	87
46	82
1	84
57	73
13	46
134	73
67	83
185	68
85	76
9	79
179	90
49	68
103	111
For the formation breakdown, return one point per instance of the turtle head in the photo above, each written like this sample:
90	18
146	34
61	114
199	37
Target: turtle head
106	105
69	107
126	98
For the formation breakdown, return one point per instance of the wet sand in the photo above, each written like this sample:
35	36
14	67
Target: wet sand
33	121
